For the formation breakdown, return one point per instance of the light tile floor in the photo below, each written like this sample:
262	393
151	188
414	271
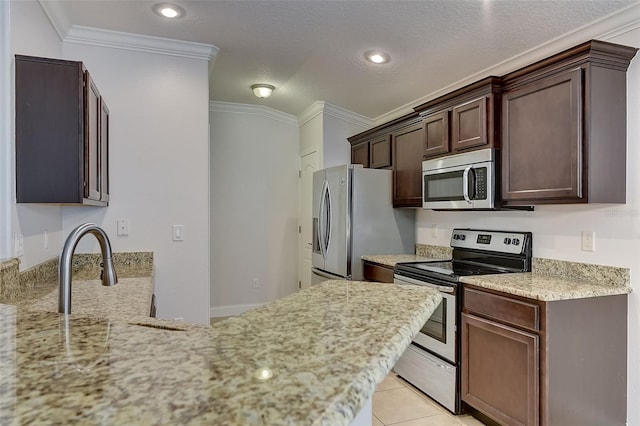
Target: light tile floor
397	403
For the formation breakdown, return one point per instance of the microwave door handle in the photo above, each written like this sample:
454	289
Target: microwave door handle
465	184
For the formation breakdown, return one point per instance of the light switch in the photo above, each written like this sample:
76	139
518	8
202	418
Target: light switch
178	232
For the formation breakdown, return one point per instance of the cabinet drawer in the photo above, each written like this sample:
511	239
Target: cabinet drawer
503	309
374	272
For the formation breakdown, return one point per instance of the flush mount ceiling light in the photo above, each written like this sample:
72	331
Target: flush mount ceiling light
377	57
262	90
168	10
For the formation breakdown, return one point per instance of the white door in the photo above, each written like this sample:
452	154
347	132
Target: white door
308	165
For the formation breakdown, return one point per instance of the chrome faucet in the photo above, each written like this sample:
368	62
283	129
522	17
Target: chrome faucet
108	275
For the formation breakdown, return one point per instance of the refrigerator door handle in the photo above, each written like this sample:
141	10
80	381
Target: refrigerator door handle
322	220
328	227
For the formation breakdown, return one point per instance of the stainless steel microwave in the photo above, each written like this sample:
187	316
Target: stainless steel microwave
460	181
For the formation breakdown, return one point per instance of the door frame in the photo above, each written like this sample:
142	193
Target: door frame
301	243
6	126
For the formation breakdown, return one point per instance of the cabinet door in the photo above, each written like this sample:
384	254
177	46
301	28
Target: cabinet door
407	145
500	371
469	125
542	139
92	140
380	152
436	134
375	272
104	151
360	154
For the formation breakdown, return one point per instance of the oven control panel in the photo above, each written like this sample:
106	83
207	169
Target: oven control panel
498	241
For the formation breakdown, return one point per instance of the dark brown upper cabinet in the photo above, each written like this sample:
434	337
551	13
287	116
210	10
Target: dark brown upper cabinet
436	134
62	134
564	128
463	120
360	154
380	152
397	145
407	144
469	127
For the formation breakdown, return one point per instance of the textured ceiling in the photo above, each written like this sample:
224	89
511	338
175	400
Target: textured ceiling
312	50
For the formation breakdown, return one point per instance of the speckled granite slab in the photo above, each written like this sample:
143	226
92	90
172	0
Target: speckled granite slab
435	252
424	253
608	276
392	259
312	358
129	298
544	287
36	282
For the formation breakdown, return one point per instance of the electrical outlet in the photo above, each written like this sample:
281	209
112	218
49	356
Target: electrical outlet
434	231
255	283
588	241
46	239
123	227
19	245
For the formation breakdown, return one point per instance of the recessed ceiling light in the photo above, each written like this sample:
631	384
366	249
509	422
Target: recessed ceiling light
168	10
377	57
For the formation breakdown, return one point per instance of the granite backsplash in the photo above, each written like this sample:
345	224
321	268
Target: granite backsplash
42	278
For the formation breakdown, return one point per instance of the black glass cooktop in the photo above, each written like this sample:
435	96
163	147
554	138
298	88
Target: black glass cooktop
453	268
450	270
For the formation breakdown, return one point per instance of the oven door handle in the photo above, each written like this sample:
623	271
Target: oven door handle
439	365
440	288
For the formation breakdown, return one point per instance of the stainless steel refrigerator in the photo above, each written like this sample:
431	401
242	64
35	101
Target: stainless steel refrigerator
353	215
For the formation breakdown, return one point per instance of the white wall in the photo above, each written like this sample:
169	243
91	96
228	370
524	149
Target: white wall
339	124
159	168
31	33
158	152
325	127
311	136
254	206
6	151
557	229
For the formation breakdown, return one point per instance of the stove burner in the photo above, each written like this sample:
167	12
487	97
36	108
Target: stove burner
475	252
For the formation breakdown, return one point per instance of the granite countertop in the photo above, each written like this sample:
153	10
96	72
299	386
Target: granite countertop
130	297
392	259
313	357
544	287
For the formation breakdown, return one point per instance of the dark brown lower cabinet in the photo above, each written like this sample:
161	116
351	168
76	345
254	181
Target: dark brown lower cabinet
530	362
377	272
501	377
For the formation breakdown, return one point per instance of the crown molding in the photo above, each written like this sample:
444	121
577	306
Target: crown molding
320	107
216	106
120	40
56	16
140	43
605	29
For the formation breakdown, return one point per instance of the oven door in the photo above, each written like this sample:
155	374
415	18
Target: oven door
438	334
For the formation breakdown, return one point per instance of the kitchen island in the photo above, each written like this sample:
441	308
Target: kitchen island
312	358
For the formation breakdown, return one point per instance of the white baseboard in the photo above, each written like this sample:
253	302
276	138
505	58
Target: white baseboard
232	310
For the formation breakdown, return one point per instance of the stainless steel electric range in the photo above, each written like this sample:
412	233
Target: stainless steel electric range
432	361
